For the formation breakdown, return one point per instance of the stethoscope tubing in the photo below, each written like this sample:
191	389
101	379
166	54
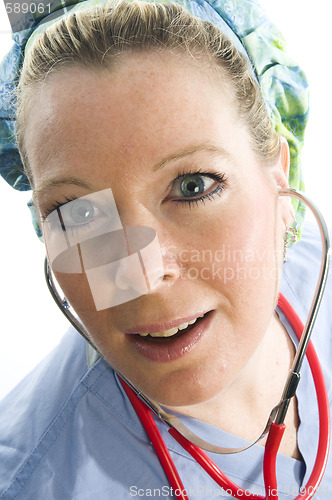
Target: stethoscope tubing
272	443
147	420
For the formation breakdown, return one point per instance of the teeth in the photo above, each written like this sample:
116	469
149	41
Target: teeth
166	333
171	331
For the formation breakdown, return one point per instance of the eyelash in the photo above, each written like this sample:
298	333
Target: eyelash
220	178
55	206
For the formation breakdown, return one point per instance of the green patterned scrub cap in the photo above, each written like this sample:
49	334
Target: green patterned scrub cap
283	83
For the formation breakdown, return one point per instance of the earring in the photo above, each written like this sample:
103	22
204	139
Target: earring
65	304
290	238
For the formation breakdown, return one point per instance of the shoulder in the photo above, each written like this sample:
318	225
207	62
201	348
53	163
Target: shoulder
64	414
27	411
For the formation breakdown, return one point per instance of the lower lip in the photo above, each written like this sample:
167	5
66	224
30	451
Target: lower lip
172	348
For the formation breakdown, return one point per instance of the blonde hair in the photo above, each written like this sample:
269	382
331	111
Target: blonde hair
95	37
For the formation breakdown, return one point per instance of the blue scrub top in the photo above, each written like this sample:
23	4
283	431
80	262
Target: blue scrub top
68	431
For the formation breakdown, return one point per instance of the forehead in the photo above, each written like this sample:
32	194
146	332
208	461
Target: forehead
146	104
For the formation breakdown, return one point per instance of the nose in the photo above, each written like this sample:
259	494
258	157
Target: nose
140	267
148	265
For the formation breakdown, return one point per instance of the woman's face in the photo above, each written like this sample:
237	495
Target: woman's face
163	133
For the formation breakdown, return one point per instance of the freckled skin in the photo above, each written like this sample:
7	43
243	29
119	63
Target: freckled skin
111	129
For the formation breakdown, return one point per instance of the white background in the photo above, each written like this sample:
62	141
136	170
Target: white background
30	323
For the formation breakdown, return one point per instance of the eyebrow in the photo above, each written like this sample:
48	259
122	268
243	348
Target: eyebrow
209	148
76	181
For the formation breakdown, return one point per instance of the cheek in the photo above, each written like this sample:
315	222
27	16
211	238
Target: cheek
97	324
238	251
77	291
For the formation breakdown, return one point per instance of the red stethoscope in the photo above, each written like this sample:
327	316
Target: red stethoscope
275	426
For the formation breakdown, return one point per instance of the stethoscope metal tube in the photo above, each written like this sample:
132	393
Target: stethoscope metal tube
63	304
294	376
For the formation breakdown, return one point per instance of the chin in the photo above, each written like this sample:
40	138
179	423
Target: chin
182	392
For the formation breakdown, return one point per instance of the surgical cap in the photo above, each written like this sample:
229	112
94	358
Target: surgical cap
283	83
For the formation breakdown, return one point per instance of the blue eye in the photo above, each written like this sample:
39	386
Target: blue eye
194	187
78	211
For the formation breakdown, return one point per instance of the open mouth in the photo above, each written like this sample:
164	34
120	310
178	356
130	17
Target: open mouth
170	345
173	333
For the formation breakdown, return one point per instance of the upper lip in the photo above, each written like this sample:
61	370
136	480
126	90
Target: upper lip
166	325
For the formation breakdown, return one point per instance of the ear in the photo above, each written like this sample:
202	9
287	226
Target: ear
281	168
280	174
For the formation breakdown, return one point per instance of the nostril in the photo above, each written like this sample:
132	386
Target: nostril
172	265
